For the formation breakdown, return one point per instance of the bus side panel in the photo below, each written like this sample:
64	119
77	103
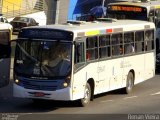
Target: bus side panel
130	63
82	76
149	65
114	71
104	75
4	72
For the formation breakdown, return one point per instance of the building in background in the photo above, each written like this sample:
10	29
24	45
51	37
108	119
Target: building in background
56	11
82	7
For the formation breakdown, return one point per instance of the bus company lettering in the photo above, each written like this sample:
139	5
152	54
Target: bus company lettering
101	69
125	64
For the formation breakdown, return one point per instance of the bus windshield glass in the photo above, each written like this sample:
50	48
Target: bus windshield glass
127	12
38	58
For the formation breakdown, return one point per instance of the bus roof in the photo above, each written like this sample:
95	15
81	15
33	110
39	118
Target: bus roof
155	4
98	27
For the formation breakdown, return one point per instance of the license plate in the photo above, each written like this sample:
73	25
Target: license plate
39	94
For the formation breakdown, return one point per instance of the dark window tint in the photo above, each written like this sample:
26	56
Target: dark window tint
92	48
129	43
104	46
139	41
23	19
149	40
117	44
79	52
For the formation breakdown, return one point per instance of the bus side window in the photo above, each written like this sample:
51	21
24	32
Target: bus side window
91	48
79	52
128	43
149	40
139	41
104	46
117	42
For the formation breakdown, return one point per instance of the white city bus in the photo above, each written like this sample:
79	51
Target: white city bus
147	10
5	50
78	60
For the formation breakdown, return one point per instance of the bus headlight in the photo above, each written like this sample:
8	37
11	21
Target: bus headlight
17	81
66	82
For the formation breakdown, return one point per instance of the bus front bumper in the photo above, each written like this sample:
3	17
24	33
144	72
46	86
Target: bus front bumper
62	94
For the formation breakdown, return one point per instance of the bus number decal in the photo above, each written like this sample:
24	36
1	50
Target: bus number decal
125	64
19	61
101	69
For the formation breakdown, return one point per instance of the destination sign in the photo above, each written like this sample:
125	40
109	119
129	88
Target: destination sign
126	8
46	34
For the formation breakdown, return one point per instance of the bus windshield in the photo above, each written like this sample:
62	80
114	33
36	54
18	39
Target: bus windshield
37	58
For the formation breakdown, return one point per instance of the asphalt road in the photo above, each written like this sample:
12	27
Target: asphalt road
145	99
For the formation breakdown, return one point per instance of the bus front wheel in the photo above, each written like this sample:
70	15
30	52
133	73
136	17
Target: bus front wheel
129	83
87	96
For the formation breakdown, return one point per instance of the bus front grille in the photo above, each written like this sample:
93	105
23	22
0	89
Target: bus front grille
42	85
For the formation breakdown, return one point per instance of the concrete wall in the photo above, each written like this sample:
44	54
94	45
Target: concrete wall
51	6
63	11
57	11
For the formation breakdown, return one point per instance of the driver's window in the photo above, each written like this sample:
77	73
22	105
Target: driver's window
79	52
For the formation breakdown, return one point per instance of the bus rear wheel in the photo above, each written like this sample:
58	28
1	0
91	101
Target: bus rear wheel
87	96
129	83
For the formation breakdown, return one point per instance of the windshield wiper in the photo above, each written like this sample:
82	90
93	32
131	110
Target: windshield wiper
27	54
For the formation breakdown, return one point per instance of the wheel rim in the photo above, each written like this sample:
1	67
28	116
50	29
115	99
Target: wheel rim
130	85
86	95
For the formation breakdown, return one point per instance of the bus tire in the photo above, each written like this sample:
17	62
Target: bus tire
87	96
129	83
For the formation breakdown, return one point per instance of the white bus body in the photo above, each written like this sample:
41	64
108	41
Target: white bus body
104	71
